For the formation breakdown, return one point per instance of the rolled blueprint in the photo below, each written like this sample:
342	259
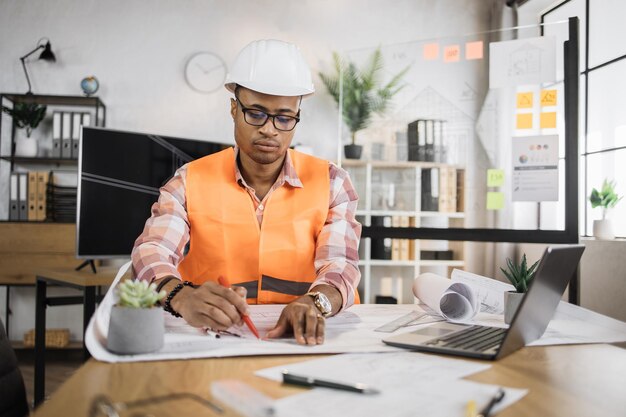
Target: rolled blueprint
453	301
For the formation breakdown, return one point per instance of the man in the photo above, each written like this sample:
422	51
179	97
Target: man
278	224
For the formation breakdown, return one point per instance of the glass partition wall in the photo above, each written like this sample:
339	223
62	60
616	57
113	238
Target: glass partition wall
476	142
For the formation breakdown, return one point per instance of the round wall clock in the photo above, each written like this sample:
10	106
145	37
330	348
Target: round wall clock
205	72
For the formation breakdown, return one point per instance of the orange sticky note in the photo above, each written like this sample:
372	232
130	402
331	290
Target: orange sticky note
474	50
547	120
548	98
524	100
451	53
524	121
431	51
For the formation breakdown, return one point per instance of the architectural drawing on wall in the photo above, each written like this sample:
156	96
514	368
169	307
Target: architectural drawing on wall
524	61
487	127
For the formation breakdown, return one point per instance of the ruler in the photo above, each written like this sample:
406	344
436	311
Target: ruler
405	320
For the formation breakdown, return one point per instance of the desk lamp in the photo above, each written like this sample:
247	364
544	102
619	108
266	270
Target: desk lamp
46	55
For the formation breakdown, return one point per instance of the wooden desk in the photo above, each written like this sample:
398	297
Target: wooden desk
83	280
576	380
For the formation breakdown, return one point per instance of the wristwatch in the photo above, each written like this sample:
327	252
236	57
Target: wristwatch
321	302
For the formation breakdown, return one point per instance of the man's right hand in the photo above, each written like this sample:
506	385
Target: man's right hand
209	305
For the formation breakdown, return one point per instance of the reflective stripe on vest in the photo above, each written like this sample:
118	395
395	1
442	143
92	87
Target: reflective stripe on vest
274	261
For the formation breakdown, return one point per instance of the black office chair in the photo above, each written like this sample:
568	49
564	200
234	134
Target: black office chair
13	401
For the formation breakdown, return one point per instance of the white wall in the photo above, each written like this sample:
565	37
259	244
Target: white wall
138	49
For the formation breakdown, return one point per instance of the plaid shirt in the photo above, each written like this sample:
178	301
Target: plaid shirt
159	249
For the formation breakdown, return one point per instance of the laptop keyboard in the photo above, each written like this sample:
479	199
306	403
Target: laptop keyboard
474	338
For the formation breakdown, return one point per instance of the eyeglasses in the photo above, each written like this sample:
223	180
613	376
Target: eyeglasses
257	117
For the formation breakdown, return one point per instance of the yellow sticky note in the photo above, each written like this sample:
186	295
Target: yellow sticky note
495	177
431	51
548	98
524	100
451	53
495	200
474	50
524	121
547	120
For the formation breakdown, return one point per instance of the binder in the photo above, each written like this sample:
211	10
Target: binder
405	254
430	189
42	188
396	251
416	138
23	196
14	213
430	141
86	119
437	146
32	195
421	133
76	123
56	134
66	136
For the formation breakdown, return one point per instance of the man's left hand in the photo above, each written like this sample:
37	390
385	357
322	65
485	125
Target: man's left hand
304	319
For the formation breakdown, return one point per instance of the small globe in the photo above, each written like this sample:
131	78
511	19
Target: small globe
89	85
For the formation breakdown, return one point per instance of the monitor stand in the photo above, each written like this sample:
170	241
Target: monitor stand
89	262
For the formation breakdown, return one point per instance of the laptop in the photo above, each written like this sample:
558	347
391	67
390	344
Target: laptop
556	268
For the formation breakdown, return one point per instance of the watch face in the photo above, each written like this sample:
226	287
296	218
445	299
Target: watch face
324	303
205	72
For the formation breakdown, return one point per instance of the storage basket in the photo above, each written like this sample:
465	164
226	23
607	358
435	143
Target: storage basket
55	338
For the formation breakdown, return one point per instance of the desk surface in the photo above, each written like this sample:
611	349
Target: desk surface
82	278
575	380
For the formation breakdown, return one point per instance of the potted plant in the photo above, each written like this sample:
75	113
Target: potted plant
136	324
520	276
26	116
362	94
607	199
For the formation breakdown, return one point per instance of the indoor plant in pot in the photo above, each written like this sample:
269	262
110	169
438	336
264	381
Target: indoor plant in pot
520	276
26	116
136	324
607	199
362	94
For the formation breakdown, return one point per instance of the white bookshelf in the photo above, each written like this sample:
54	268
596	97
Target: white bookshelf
392	190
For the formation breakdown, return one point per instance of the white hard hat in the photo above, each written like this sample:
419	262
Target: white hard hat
272	67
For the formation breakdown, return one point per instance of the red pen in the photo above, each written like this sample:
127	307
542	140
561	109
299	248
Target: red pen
246	319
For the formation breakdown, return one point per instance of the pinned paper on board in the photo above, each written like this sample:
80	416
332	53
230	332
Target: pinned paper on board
451	53
523	61
431	51
524	121
474	50
495	200
535	168
548	98
525	100
495	177
547	120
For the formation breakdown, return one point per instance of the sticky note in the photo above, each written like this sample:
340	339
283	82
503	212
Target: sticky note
451	53
495	200
524	100
474	50
431	51
548	98
524	121
495	177
547	120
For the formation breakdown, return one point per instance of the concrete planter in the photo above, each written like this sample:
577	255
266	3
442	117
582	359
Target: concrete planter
512	300
603	229
135	330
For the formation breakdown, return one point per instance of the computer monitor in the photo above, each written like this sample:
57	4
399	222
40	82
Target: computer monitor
120	174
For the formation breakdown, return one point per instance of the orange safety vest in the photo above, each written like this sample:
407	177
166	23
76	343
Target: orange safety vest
274	260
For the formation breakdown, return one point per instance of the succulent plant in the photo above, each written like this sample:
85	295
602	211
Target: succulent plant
519	274
606	198
138	294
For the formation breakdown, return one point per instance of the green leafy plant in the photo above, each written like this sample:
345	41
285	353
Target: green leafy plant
26	115
363	96
519	274
138	294
605	198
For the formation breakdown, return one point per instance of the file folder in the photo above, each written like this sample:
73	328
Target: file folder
23	196
14	212
56	134
66	136
32	195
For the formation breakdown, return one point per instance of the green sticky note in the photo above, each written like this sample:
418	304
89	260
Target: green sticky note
495	177
495	200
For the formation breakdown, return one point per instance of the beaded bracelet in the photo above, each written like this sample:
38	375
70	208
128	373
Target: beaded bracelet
167	306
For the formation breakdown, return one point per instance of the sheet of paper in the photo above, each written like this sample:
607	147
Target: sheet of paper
474	50
524	121
490	292
548	98
495	177
410	384
522	61
535	168
495	200
525	100
431	51
453	300
451	53
547	120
